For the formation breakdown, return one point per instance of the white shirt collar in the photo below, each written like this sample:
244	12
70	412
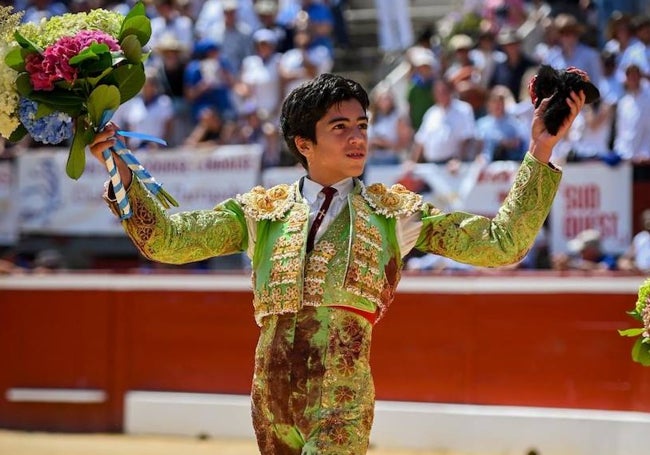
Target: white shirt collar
311	190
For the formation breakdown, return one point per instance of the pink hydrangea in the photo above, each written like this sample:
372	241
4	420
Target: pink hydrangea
53	65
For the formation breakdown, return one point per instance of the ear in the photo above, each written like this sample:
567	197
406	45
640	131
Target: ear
303	145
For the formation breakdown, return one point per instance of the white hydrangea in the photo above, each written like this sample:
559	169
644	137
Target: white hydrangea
8	98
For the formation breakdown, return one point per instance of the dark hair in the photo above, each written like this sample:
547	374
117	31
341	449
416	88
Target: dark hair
309	102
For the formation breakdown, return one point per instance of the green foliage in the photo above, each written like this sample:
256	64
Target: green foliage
104	79
640	313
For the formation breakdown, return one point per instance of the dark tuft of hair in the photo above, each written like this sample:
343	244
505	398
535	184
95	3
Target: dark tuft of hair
310	101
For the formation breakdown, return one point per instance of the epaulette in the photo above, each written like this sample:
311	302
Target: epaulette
392	202
267	204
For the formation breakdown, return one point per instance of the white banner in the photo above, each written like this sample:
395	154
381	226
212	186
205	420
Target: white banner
594	196
8	204
51	202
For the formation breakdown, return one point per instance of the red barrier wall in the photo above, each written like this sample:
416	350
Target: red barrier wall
502	346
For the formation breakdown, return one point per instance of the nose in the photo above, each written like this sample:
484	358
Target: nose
358	135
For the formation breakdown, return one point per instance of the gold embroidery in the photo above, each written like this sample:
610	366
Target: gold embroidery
271	204
391	202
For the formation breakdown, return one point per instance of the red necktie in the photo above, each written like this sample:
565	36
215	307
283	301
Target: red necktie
329	193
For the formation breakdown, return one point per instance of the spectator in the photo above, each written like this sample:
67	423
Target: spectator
632	127
394	27
170	22
267	11
461	66
637	256
611	87
571	52
237	39
585	253
419	93
321	24
151	112
485	55
497	131
448	128
465	74
389	130
169	60
340	31
258	87
638	51
510	71
304	62
208	81
210	131
619	35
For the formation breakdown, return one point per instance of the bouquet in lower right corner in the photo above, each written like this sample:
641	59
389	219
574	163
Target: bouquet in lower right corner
641	312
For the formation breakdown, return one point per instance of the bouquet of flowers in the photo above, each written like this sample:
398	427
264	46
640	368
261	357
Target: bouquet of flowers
65	77
641	312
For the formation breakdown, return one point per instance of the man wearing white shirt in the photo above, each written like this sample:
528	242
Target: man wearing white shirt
448	128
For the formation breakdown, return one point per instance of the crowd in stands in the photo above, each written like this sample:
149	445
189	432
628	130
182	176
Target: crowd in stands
219	69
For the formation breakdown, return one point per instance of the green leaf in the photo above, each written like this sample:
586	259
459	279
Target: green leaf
94	81
24	85
18	134
102	99
635	314
26	44
129	79
631	332
60	100
77	155
140	26
92	52
138	10
43	109
15	59
132	49
641	353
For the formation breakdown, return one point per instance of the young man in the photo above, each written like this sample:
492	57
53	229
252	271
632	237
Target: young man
316	305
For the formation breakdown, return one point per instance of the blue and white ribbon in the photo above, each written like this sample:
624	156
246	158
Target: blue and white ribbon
134	165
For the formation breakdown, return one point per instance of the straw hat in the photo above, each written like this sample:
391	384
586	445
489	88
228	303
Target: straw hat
567	23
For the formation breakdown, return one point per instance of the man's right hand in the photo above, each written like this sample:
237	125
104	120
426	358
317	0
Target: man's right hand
104	140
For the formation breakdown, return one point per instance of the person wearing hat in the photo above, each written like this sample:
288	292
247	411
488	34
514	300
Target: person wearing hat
237	37
258	83
570	52
637	51
465	74
585	252
510	71
208	80
267	12
231	23
170	21
425	68
632	124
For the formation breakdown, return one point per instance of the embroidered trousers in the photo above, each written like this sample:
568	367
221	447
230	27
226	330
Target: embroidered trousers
312	390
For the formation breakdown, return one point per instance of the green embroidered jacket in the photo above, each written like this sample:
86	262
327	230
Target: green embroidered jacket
357	262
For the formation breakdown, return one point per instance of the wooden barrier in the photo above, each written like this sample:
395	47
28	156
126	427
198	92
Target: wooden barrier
73	345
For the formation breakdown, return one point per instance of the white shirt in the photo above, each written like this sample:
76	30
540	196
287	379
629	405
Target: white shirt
632	136
443	131
641	244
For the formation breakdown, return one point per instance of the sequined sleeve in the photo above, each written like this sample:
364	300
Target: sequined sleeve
183	237
504	239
